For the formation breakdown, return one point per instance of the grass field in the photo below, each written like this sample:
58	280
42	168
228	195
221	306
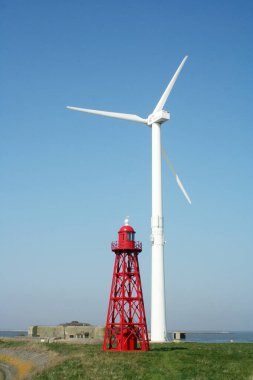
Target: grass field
2	377
183	361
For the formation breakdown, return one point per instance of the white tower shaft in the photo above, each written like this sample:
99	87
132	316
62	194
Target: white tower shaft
158	311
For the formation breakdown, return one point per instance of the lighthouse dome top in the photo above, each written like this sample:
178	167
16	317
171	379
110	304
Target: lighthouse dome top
126	227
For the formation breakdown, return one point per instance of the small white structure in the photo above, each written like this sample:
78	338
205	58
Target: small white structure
178	336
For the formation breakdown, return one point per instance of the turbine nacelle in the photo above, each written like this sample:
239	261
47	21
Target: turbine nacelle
158	117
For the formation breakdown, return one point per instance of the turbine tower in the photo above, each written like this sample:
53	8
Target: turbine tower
154	120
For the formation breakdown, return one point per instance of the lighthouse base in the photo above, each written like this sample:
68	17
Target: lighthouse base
126	328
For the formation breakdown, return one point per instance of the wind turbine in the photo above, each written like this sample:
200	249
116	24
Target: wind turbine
154	120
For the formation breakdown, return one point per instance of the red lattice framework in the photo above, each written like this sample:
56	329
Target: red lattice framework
126	328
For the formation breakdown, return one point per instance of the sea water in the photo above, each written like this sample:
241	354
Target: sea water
217	337
191	336
13	333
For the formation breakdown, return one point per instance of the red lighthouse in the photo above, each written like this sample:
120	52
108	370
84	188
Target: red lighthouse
126	327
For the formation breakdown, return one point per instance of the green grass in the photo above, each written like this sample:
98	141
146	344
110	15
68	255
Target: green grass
2	376
184	361
5	343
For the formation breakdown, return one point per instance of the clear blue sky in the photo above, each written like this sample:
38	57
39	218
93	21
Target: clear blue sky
68	179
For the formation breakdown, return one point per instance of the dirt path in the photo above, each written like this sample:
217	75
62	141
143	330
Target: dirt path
17	363
7	372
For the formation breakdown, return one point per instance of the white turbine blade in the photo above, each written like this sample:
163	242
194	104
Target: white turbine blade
116	115
168	162
166	93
